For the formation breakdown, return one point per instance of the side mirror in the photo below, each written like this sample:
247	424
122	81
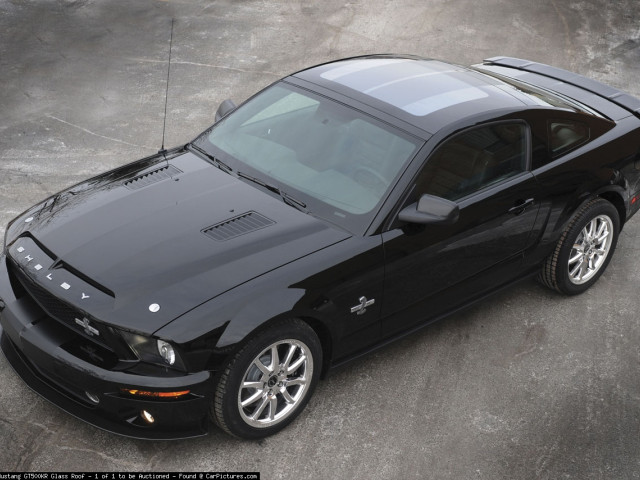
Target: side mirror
431	210
225	108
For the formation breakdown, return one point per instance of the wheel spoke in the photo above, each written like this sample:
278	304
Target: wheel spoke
287	360
601	238
293	367
576	257
287	397
275	358
584	268
257	385
297	381
273	405
258	411
575	272
262	367
252	399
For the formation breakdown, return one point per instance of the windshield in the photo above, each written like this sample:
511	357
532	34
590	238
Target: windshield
339	162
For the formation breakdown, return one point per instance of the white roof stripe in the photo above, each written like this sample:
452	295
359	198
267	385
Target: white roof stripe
434	103
359	66
404	79
418	88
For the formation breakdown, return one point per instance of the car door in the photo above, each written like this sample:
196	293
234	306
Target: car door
433	268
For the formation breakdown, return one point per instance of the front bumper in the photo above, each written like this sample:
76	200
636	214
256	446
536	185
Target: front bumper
33	343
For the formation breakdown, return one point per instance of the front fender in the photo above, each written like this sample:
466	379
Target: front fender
320	288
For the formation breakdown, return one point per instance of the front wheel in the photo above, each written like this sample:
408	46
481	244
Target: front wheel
269	381
584	249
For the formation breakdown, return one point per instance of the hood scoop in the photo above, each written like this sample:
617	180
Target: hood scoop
154	176
236	226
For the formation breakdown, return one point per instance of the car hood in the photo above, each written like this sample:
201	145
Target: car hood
172	233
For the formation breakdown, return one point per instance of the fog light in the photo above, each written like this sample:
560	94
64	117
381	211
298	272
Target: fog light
147	417
93	397
166	352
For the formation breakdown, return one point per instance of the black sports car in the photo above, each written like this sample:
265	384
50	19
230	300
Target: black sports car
340	208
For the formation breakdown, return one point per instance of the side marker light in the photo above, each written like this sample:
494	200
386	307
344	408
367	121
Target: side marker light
146	393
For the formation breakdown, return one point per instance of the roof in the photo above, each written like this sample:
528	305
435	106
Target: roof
426	93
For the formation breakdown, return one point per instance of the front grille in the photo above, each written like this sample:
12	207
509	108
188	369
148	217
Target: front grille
67	315
52	305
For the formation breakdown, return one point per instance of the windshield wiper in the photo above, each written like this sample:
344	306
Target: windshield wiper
286	198
216	161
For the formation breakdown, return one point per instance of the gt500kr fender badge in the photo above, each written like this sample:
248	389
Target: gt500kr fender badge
88	329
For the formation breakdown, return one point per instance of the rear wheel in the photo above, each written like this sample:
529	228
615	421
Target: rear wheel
584	249
269	381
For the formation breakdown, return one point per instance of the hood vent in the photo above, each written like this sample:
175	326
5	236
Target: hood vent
236	226
151	177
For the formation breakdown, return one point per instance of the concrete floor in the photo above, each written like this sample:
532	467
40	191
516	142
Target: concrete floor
525	385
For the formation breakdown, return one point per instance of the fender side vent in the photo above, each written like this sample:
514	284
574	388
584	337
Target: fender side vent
151	177
236	226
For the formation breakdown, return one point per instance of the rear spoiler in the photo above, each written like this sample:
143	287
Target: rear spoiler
620	98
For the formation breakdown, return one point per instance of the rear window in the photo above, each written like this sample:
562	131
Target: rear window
542	96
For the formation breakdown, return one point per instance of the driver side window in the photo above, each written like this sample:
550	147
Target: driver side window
475	159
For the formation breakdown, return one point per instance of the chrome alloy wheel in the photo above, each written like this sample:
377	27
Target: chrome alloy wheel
590	249
275	383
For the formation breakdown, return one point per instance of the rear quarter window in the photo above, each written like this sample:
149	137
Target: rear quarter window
566	135
556	134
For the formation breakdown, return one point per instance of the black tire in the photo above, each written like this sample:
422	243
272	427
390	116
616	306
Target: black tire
277	395
559	272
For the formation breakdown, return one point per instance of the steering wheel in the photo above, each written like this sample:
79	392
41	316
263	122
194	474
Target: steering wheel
369	178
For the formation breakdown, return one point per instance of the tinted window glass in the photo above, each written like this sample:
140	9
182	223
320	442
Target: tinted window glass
474	160
542	96
565	135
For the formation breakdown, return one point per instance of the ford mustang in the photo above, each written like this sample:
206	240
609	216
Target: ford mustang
340	208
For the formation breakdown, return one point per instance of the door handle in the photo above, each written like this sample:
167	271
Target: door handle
521	206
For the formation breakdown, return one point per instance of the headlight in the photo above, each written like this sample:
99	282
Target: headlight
153	350
167	352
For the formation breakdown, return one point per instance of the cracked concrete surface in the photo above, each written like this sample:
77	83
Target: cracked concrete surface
525	385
